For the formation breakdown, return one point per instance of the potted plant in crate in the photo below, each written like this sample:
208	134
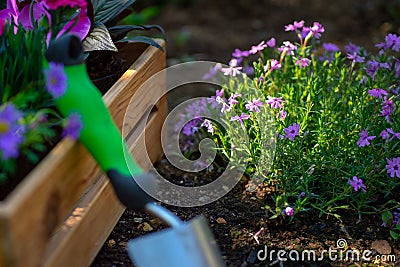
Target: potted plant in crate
322	125
49	213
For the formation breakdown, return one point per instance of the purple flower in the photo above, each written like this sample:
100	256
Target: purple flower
387	108
315	30
211	73
258	48
391	41
330	47
295	26
352	48
364	139
275	102
377	92
208	124
233	68
56	79
275	65
292	131
239	53
394	135
384	134
271	42
393	167
303	62
282	114
289	211
357	184
355	57
73	127
248	70
253	105
11	132
240	118
287	47
232	99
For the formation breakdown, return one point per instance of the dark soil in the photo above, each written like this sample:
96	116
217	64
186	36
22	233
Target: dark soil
211	30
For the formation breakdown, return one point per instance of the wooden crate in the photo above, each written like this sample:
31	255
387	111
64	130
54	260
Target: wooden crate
63	211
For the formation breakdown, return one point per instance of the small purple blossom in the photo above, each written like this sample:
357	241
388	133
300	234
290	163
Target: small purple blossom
384	134
258	48
287	47
11	132
292	131
387	109
232	99
233	68
330	47
393	167
271	42
357	184
275	65
355	57
239	53
283	114
364	139
394	134
295	26
208	124
275	102
289	211
377	92
240	118
190	128
249	70
254	104
303	62
316	30
73	127
352	48
56	79
392	41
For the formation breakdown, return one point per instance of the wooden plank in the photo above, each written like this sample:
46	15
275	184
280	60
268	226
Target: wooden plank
97	212
30	215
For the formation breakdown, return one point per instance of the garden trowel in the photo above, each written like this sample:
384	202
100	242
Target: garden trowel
188	244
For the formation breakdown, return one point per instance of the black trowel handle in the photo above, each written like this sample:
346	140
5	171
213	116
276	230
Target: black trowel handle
129	192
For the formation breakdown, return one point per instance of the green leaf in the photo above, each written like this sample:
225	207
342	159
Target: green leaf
394	235
99	39
142	39
119	32
387	217
105	11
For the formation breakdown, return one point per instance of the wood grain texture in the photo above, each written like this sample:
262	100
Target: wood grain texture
63	190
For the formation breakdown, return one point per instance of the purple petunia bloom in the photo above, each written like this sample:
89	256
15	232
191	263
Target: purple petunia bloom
258	48
330	47
232	99
275	65
287	47
393	167
254	104
271	42
303	62
275	102
289	211
295	26
73	127
240	118
292	131
208	124
357	184
283	114
387	109
11	132
392	41
384	134
377	92
249	70
394	134
56	79
364	139
233	68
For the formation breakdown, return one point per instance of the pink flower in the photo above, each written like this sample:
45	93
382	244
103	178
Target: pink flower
275	102
364	139
240	118
292	131
258	48
357	184
303	62
54	4
393	167
390	130
253	105
289	211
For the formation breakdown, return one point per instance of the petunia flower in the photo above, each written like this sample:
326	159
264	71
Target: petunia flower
295	26
364	139
384	134
239	53
254	104
387	109
289	211
208	124
258	48
393	167
303	62
240	118
330	47
292	131
275	102
56	79
394	134
377	92
11	132
357	184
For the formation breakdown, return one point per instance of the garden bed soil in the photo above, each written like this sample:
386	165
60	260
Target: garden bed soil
211	30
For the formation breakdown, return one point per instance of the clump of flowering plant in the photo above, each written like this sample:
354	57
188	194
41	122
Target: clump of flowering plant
335	117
